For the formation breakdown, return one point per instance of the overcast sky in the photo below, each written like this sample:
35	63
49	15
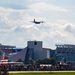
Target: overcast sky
16	27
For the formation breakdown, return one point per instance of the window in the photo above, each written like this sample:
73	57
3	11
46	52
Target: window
35	43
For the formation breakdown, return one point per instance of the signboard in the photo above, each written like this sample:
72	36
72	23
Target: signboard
4	61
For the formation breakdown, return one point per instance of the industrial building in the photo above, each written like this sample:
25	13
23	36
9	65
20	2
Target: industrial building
8	50
66	52
38	51
35	51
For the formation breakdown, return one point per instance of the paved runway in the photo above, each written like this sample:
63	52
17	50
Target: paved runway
36	71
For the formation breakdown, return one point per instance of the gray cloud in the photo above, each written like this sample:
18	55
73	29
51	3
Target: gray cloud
15	28
68	28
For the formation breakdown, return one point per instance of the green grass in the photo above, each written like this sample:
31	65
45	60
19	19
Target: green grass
50	73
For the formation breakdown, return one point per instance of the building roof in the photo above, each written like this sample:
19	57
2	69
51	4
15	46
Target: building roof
6	46
65	46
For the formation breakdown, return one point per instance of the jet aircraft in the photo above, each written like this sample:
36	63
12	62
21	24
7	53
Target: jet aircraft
37	22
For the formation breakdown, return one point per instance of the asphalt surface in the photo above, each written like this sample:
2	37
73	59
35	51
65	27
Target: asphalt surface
36	71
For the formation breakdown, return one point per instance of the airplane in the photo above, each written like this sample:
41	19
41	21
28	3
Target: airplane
36	22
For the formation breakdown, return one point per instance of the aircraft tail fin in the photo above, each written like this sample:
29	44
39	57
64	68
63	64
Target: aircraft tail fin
34	20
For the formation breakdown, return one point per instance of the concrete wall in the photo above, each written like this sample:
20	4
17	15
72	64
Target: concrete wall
39	53
36	45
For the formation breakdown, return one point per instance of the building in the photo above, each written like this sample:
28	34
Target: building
38	51
34	50
6	50
66	52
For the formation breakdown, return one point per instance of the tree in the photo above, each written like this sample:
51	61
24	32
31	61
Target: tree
19	60
53	61
46	61
30	61
38	61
